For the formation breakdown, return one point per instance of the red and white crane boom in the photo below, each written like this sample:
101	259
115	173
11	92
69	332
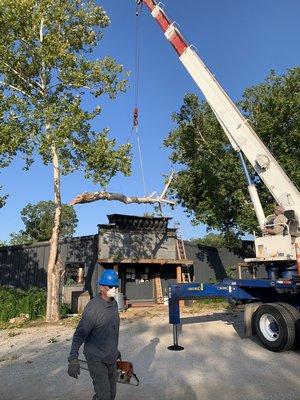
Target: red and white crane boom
239	132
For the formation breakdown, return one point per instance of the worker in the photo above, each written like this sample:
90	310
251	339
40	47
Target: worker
98	329
278	222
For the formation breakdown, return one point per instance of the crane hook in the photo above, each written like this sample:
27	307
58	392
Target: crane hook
139	4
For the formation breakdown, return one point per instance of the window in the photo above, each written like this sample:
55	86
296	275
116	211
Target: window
74	274
130	274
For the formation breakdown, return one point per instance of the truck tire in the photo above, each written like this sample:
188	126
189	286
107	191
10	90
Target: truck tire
275	327
296	316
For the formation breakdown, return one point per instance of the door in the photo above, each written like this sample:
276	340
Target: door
139	282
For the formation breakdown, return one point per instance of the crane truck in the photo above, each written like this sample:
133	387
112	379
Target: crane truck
271	305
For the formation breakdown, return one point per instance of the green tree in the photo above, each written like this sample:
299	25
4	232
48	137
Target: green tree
228	239
211	239
20	238
39	221
211	185
46	70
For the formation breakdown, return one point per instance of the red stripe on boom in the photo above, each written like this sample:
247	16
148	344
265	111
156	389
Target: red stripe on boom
150	4
163	21
178	43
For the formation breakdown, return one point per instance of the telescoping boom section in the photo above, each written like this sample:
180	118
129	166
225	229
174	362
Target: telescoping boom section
240	134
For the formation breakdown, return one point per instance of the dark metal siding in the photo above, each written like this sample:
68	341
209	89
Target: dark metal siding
26	266
210	263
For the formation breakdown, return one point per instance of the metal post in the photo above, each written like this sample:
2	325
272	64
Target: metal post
253	193
175	346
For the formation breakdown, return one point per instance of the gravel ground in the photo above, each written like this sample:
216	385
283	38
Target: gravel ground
216	364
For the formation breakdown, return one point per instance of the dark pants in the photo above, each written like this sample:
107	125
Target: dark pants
104	377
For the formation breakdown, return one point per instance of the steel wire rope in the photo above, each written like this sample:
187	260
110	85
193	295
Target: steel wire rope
136	91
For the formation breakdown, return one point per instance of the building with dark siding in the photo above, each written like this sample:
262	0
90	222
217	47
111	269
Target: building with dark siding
141	249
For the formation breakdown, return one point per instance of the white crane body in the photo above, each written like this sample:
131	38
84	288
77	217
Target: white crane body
243	139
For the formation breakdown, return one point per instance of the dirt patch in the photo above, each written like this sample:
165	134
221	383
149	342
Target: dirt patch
216	362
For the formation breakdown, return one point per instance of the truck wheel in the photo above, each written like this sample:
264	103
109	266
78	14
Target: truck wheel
296	316
274	326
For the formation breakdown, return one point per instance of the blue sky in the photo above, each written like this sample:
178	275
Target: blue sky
240	41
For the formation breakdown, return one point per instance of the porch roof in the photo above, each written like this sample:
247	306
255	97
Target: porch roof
159	261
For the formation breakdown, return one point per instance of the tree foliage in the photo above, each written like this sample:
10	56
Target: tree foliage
39	220
45	71
2	198
20	238
210	185
212	239
47	74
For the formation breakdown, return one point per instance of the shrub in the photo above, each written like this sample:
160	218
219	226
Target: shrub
231	272
14	302
64	310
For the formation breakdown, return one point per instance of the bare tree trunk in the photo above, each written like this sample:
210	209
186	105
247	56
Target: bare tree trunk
55	265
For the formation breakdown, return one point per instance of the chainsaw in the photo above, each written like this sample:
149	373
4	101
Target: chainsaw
125	372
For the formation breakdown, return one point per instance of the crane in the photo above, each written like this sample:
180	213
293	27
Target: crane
271	305
245	142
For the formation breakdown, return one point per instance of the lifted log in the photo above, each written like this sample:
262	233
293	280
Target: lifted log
89	197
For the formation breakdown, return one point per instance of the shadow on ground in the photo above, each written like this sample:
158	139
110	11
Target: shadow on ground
215	364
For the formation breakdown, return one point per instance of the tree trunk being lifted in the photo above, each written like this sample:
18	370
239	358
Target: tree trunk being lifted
89	197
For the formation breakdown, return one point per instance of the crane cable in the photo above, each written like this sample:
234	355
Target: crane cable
136	92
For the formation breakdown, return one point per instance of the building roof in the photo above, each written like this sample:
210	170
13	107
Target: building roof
160	261
134	222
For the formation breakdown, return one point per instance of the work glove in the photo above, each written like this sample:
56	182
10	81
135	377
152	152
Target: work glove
119	357
74	368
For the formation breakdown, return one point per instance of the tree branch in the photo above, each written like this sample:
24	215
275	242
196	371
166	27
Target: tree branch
70	85
89	197
15	88
207	144
22	78
163	193
42	73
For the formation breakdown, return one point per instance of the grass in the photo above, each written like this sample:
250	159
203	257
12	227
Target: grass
13	334
206	305
131	314
15	302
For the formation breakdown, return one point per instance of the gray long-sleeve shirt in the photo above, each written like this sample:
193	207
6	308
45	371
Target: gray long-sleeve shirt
99	330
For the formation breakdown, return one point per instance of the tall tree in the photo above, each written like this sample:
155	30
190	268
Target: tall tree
46	69
39	220
211	185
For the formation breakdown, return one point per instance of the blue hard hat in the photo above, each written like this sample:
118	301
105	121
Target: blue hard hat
109	277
